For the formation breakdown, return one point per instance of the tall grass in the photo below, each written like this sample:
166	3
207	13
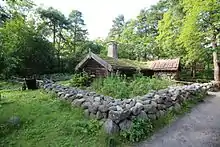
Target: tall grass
121	87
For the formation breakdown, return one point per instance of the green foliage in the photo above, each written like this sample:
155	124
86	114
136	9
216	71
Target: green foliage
112	86
142	85
136	37
120	87
46	121
57	76
23	47
9	85
140	129
187	28
90	128
80	80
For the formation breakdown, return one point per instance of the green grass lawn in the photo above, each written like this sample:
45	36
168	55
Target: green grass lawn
45	122
65	82
8	85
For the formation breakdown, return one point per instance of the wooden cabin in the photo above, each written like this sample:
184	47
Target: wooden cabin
169	68
101	67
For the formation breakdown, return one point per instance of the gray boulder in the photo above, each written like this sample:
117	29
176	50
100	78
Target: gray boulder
161	106
152	116
86	113
103	108
113	108
79	96
125	125
60	94
99	115
142	115
177	107
110	127
78	102
68	95
97	99
117	116
93	108
119	108
137	108
86	105
150	108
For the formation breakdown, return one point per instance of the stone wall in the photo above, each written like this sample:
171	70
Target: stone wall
167	75
118	114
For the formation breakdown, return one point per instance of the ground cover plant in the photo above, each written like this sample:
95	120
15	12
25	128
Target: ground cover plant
35	118
143	129
118	86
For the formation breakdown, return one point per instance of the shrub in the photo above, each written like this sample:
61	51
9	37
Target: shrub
87	127
80	80
142	85
140	129
121	87
113	86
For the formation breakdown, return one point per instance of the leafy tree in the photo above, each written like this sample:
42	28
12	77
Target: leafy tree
54	22
4	15
75	34
209	24
54	19
23	48
169	31
137	37
117	28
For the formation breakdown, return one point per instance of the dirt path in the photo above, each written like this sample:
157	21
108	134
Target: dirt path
199	128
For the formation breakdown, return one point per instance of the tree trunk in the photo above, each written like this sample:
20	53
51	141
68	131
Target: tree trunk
54	35
193	70
215	59
216	67
58	54
74	41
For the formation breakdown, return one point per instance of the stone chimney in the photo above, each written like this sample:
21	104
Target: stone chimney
112	50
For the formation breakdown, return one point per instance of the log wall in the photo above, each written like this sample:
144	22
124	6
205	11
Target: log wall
94	68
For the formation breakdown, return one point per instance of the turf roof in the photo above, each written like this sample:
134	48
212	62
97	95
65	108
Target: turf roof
126	63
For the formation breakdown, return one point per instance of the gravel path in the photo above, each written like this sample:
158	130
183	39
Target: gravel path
199	128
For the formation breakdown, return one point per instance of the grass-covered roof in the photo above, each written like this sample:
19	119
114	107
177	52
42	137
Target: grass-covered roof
112	63
126	63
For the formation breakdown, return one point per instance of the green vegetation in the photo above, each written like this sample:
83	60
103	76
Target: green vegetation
120	87
143	129
169	29
45	121
172	28
8	85
80	80
127	63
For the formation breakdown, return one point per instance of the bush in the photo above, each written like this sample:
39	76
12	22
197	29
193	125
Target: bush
142	85
140	129
120	87
113	86
80	80
87	127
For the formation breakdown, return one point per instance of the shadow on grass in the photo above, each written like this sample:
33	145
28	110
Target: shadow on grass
7	128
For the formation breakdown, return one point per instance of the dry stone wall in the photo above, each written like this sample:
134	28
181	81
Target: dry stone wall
118	114
167	75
